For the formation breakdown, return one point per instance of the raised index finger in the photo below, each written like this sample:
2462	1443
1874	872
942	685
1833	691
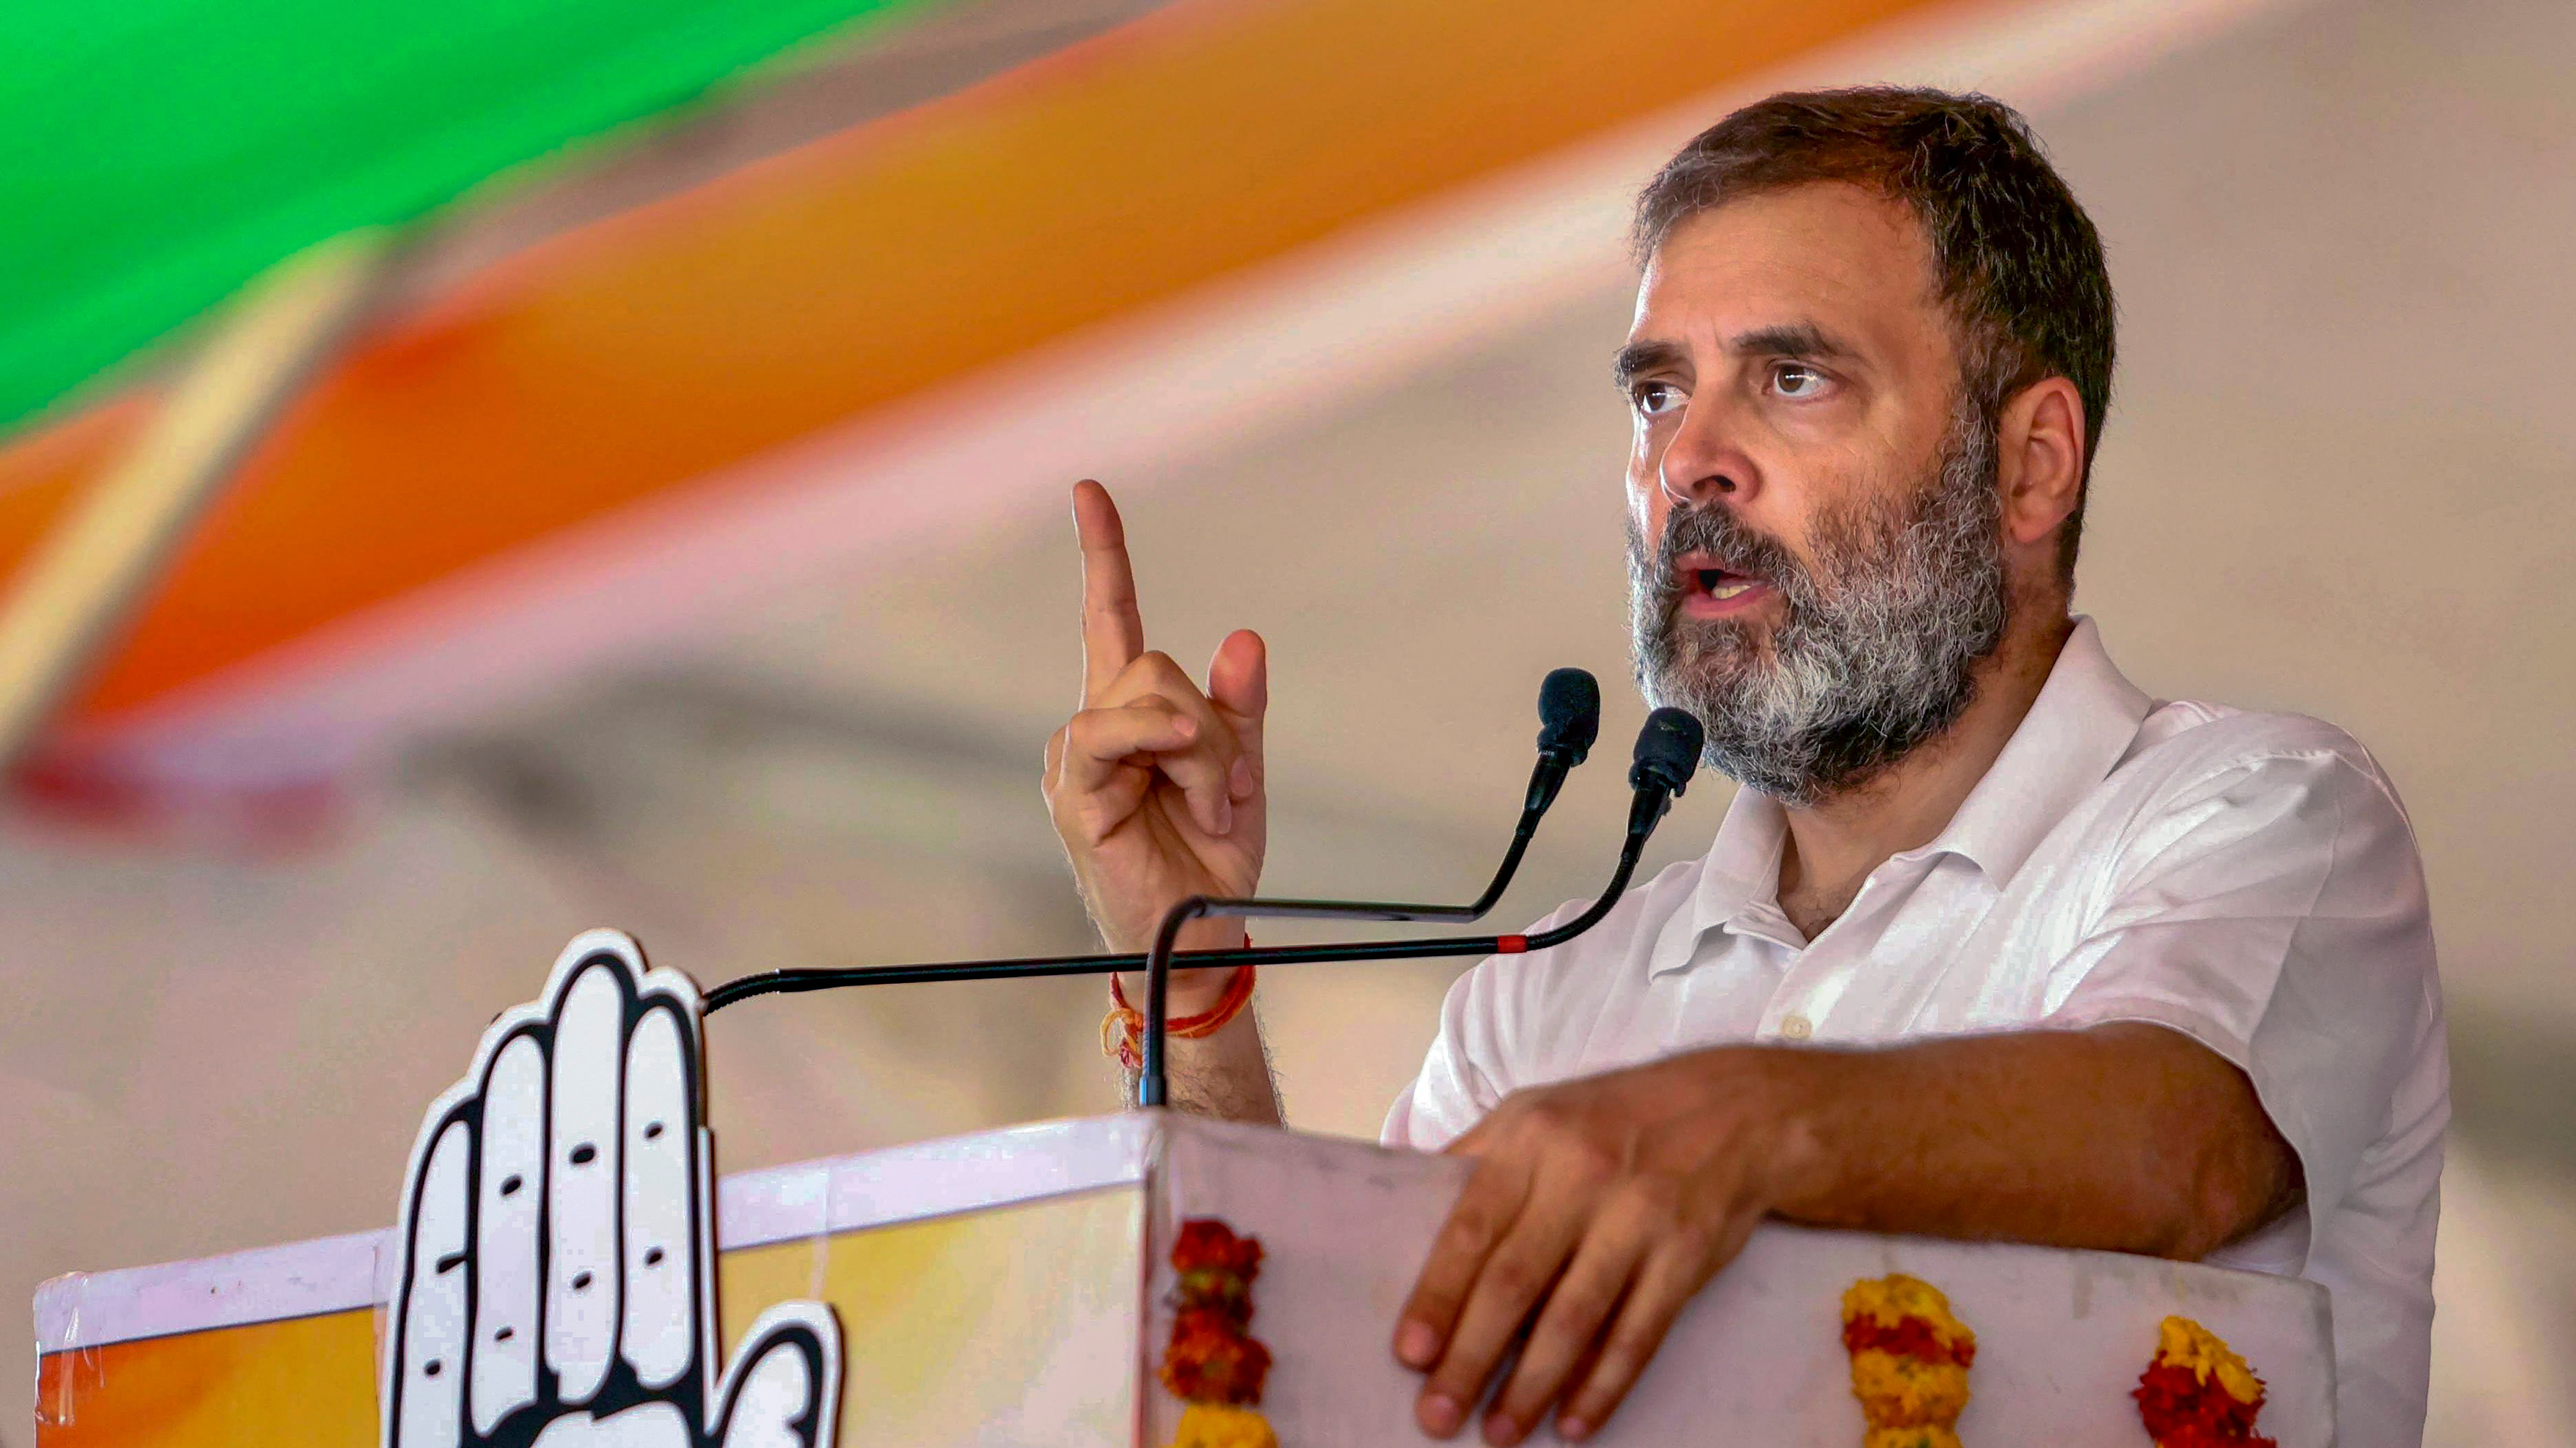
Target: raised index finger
1113	633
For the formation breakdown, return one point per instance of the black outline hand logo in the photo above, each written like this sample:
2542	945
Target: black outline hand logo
558	1278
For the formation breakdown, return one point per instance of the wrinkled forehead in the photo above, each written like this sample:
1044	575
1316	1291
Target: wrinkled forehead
1836	258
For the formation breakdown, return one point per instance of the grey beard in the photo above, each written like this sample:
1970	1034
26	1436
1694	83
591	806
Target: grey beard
1865	667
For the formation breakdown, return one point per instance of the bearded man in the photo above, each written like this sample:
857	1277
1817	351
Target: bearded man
1990	944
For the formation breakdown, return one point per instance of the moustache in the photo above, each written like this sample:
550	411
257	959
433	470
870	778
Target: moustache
1715	532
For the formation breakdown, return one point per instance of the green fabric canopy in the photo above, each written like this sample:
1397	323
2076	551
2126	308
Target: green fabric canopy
156	154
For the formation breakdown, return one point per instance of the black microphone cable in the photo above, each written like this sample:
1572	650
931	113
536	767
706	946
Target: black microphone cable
1569	707
1667	754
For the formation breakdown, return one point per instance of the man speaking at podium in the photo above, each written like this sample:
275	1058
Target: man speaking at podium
1989	945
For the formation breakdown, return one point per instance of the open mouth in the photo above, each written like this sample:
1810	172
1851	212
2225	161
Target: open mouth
1719	583
1710	587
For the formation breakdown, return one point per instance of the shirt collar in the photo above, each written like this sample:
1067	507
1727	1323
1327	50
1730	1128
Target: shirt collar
2083	721
2079	727
1742	866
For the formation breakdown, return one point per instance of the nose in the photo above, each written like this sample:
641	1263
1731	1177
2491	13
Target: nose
1701	463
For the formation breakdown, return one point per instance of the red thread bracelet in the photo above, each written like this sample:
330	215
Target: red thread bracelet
1121	1028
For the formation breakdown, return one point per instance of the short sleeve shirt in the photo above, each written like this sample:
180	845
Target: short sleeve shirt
2247	879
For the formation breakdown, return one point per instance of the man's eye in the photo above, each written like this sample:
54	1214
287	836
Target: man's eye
1791	379
1653	399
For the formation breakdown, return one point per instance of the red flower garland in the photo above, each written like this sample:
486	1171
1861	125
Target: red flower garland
2181	1411
1911	1337
1211	1357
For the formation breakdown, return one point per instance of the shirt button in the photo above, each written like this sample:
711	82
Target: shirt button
1797	1028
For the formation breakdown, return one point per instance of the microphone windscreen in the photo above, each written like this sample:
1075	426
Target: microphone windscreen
1667	750
1569	713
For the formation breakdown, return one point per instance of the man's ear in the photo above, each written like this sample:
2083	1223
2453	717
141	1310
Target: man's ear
2039	460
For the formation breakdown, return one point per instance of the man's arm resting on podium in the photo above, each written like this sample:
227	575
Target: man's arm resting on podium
1602	1204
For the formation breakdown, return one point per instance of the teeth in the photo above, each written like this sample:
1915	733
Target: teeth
1729	590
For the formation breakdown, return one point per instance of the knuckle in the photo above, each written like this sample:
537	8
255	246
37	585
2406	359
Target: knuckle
1470	1227
1528	1394
1625	1348
1592	1163
1593	1296
1512	1279
1573	1315
1641	1330
1091	824
1461	1375
1693	1241
1551	1112
1655	1199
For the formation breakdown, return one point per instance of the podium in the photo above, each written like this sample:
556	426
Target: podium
1014	1287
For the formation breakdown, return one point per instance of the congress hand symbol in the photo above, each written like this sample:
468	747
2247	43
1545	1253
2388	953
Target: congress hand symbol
558	1276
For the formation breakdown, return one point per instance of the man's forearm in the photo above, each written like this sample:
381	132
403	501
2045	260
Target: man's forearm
2126	1137
1599	1205
1225	1075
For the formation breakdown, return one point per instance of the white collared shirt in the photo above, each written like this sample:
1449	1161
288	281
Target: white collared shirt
2247	879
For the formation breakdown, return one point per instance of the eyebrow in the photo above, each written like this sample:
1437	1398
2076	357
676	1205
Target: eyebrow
1638	357
1788	339
1793	339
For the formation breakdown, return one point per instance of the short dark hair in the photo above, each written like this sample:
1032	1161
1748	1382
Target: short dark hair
2019	262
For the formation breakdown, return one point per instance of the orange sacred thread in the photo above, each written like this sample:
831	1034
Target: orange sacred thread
1121	1028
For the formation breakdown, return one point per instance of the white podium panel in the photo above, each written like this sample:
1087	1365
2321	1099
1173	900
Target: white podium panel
1015	1288
1758	1358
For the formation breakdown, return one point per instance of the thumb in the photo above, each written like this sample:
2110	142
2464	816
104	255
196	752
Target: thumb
1239	682
783	1388
1239	687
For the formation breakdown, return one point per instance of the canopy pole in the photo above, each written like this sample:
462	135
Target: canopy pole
82	582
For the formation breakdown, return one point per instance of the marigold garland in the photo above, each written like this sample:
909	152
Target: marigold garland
1212	1361
1211	1425
2198	1393
1910	1357
1909	1362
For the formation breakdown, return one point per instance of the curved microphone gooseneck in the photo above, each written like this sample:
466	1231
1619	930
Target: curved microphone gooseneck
1667	754
1569	712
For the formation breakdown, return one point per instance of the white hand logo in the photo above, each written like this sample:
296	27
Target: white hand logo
558	1282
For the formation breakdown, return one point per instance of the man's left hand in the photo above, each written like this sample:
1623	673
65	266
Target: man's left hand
1602	1205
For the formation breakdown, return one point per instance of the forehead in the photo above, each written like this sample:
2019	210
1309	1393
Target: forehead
1835	256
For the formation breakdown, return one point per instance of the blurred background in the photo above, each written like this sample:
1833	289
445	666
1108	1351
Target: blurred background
674	536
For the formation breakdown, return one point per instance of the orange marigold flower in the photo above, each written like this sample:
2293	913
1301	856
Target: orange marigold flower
2182	1411
1209	1362
1213	1425
2198	1393
1909	1337
1205	1244
1207	1289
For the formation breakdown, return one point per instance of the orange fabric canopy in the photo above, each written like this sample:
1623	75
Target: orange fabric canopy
632	357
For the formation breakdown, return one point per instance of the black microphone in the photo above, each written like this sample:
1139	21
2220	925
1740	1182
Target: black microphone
1667	754
1569	707
1668	751
1569	719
